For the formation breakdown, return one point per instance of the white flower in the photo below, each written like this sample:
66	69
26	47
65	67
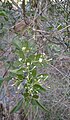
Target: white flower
34	37
44	54
20	87
49	59
26	1
23	71
34	67
44	39
28	63
20	59
36	53
13	85
40	60
48	87
41	76
23	48
27	77
31	48
27	50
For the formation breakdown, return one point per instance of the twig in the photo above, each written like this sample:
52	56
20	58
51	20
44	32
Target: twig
14	3
64	28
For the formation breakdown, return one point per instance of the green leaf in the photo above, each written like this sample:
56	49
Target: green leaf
31	57
59	27
33	102
17	107
17	43
36	96
37	56
13	71
41	106
3	13
26	94
39	88
20	54
43	18
20	77
8	78
50	28
17	71
34	72
6	18
1	80
26	44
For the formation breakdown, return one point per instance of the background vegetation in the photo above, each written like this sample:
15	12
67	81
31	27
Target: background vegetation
35	59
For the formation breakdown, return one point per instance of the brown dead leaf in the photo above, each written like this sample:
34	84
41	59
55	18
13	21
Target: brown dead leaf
19	27
1	64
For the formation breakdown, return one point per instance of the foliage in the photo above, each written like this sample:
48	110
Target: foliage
47	24
1	80
28	79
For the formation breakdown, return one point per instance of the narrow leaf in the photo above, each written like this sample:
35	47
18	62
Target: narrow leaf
39	87
40	105
1	80
18	44
36	96
17	107
59	27
17	71
34	72
3	13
